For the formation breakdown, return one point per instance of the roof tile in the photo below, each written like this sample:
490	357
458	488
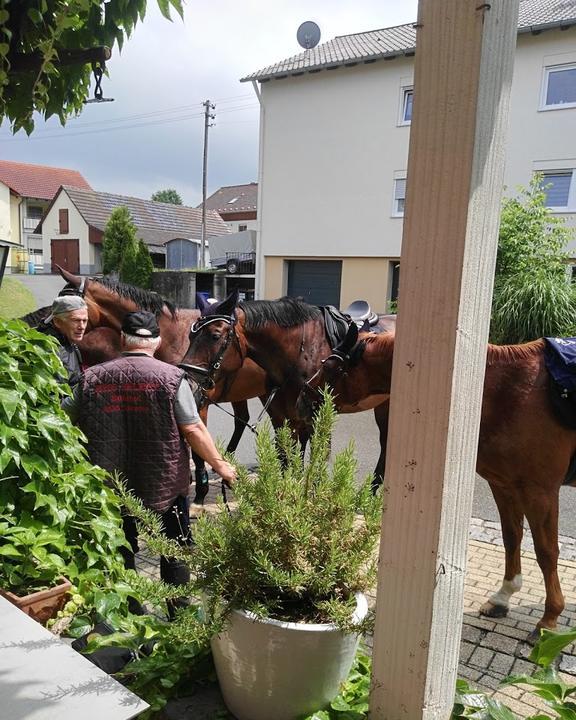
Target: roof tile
38	181
401	40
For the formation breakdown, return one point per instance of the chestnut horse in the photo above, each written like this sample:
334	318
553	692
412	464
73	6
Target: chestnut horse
287	338
524	452
108	302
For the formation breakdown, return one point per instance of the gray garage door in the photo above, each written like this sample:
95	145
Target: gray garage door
317	281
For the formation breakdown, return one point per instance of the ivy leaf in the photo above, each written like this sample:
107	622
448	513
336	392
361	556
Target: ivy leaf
9	399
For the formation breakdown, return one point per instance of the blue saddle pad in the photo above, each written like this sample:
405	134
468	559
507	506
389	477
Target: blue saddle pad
560	360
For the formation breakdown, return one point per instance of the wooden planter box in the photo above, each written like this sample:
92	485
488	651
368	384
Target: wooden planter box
41	605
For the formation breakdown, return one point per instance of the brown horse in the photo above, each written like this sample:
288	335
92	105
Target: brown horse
286	337
524	452
108	302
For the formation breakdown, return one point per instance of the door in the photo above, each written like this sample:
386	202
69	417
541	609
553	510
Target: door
316	281
65	253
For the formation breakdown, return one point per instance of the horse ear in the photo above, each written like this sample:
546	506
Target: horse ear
350	340
226	307
201	303
71	279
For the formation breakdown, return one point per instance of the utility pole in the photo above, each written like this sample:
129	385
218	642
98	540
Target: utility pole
208	115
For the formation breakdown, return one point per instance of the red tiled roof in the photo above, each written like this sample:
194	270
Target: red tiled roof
38	181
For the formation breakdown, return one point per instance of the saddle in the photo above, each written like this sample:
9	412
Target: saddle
361	313
335	324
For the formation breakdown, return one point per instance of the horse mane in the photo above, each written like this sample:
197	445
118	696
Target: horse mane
36	316
285	312
146	300
506	354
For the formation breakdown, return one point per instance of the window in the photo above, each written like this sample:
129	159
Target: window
63	221
560	189
399	197
242	227
34	212
559	87
407	98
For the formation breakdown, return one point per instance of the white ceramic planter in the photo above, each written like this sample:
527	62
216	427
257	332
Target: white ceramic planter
273	670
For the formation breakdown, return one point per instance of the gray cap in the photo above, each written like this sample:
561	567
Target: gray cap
66	303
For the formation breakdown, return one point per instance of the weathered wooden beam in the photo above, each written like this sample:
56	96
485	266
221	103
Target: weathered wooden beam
20	62
463	72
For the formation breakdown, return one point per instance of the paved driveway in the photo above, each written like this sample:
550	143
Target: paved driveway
43	287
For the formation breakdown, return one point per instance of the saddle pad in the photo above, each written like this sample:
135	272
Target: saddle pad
560	360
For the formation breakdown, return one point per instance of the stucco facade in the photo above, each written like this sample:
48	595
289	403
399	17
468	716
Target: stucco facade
78	229
334	153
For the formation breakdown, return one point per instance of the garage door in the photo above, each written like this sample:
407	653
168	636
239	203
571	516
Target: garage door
316	281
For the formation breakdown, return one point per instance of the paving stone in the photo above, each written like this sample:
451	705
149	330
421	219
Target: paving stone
481	658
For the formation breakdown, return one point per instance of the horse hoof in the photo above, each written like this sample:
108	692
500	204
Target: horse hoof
493	611
199	499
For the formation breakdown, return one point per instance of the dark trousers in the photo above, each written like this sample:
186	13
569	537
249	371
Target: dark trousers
176	526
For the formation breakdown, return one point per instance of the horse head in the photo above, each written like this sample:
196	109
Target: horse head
215	346
332	370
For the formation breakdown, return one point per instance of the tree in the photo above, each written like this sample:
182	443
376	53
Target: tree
137	268
119	235
47	47
167	196
533	296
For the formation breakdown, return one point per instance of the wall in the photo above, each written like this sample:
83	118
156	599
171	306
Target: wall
78	229
177	286
361	280
331	145
5	214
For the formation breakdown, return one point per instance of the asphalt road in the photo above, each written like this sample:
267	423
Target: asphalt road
361	428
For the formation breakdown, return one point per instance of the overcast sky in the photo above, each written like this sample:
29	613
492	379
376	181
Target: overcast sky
151	136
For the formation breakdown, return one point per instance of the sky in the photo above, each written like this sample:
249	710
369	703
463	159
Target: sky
151	136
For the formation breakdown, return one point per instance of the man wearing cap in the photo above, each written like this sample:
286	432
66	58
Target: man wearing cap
139	414
67	323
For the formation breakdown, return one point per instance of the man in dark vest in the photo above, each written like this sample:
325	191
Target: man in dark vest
67	323
139	416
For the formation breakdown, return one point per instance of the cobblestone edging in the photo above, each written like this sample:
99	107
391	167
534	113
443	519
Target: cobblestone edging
490	532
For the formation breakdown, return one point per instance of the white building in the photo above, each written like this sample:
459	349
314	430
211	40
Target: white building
25	192
334	133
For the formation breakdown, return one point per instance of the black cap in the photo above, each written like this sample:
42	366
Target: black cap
141	324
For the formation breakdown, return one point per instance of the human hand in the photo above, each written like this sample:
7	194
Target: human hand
227	472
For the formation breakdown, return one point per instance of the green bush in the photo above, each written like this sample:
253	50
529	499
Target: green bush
533	296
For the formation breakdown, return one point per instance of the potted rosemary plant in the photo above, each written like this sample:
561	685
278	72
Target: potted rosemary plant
283	575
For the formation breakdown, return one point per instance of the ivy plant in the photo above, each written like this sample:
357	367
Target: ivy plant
57	516
38	39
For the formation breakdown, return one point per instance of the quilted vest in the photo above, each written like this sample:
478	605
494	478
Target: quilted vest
127	414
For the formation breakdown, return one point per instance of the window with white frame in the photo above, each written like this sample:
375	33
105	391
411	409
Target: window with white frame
399	197
560	189
406	106
559	89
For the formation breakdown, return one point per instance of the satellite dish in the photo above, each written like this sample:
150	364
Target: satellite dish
308	34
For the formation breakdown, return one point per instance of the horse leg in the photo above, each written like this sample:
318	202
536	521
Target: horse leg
512	521
200	472
542	515
381	416
241	418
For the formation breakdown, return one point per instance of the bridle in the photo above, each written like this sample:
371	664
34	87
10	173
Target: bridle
342	358
206	376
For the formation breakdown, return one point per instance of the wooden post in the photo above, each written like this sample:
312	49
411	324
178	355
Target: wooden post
463	73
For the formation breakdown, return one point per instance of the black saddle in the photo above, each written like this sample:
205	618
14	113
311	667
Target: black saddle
335	324
361	313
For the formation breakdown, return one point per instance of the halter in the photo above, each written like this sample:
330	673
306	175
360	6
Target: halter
206	375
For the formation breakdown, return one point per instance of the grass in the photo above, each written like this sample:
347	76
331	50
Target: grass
15	299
